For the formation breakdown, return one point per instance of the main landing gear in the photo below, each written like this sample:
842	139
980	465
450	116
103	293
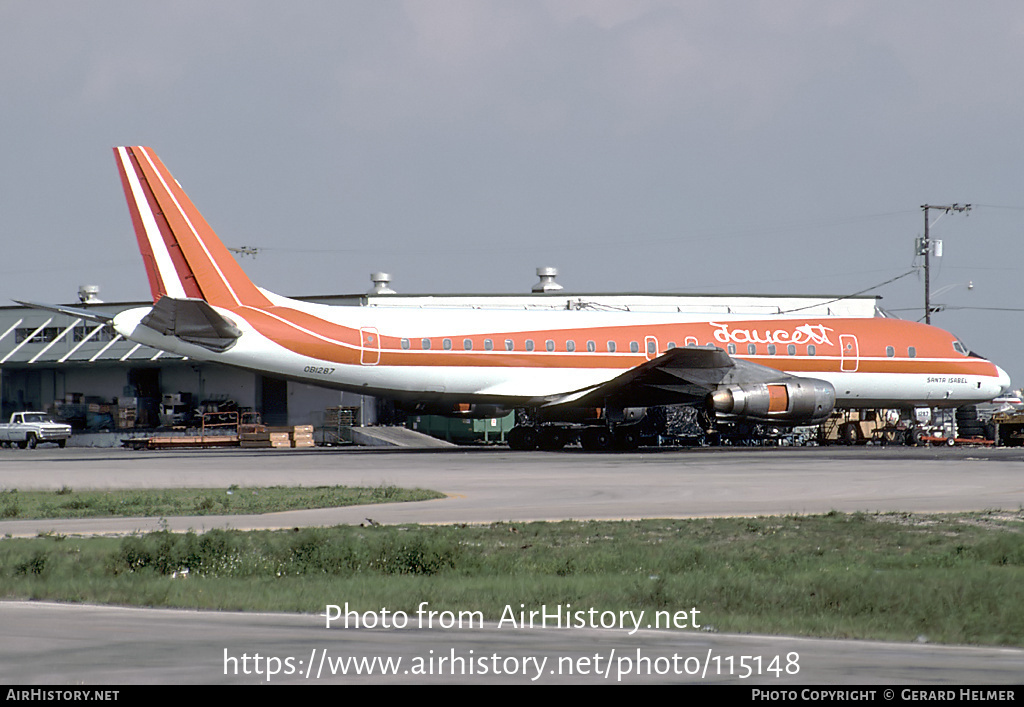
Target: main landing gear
593	438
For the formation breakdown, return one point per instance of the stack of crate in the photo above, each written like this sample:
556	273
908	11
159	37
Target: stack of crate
125	417
302	436
264	438
276	437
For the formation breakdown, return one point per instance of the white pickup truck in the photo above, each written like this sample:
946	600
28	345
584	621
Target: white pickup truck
27	429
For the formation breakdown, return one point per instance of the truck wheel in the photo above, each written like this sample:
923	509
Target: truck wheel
32	441
62	443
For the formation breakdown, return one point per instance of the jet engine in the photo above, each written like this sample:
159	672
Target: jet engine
805	401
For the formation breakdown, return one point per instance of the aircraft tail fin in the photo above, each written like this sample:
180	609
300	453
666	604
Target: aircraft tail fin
184	258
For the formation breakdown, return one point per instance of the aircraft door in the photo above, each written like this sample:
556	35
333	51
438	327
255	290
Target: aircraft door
369	351
651	347
850	352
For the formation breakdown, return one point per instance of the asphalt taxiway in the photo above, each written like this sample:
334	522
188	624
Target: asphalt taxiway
488	485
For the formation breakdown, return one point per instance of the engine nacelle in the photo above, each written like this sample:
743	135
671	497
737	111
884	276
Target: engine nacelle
797	400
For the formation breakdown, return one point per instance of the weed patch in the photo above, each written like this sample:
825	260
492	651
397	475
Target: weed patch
951	578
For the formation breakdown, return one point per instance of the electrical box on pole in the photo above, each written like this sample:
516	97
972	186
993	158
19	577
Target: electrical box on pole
924	247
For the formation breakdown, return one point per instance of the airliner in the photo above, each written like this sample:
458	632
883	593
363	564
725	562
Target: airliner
573	374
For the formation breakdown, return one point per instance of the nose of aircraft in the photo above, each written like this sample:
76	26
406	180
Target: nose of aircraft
1003	381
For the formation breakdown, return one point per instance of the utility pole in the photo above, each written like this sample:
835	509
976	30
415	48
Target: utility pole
926	248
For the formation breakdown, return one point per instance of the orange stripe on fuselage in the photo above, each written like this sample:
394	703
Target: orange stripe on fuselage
309	335
305	334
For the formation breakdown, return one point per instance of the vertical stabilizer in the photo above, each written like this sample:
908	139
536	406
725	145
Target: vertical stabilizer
184	258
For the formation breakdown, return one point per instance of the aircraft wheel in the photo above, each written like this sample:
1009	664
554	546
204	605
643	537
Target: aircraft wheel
849	434
597	439
627	437
522	439
552	439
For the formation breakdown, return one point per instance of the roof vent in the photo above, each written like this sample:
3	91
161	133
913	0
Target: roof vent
547	280
381	282
89	294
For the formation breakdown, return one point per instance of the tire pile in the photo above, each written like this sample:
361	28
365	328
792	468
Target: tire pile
968	424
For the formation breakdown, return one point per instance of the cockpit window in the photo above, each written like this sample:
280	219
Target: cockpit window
959	348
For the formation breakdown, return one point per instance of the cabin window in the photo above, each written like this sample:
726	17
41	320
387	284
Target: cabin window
467	344
634	347
529	344
591	346
732	348
912	351
751	349
670	345
405	343
446	344
611	347
570	345
791	349
811	350
771	349
651	347
425	344
509	345
549	345
890	351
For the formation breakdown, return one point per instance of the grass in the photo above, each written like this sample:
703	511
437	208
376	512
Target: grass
946	578
67	503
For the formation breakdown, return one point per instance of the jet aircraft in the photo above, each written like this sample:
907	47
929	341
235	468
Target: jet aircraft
585	374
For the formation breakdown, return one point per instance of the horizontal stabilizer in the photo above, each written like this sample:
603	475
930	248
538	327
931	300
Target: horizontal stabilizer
86	314
193	321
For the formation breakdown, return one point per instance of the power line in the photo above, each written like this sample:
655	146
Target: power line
855	294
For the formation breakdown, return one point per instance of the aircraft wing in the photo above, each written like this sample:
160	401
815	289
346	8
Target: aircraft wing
679	376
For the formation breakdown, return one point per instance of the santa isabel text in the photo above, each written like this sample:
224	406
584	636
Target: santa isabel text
544	616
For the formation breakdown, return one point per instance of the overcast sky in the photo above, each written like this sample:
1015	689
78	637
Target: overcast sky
637	145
